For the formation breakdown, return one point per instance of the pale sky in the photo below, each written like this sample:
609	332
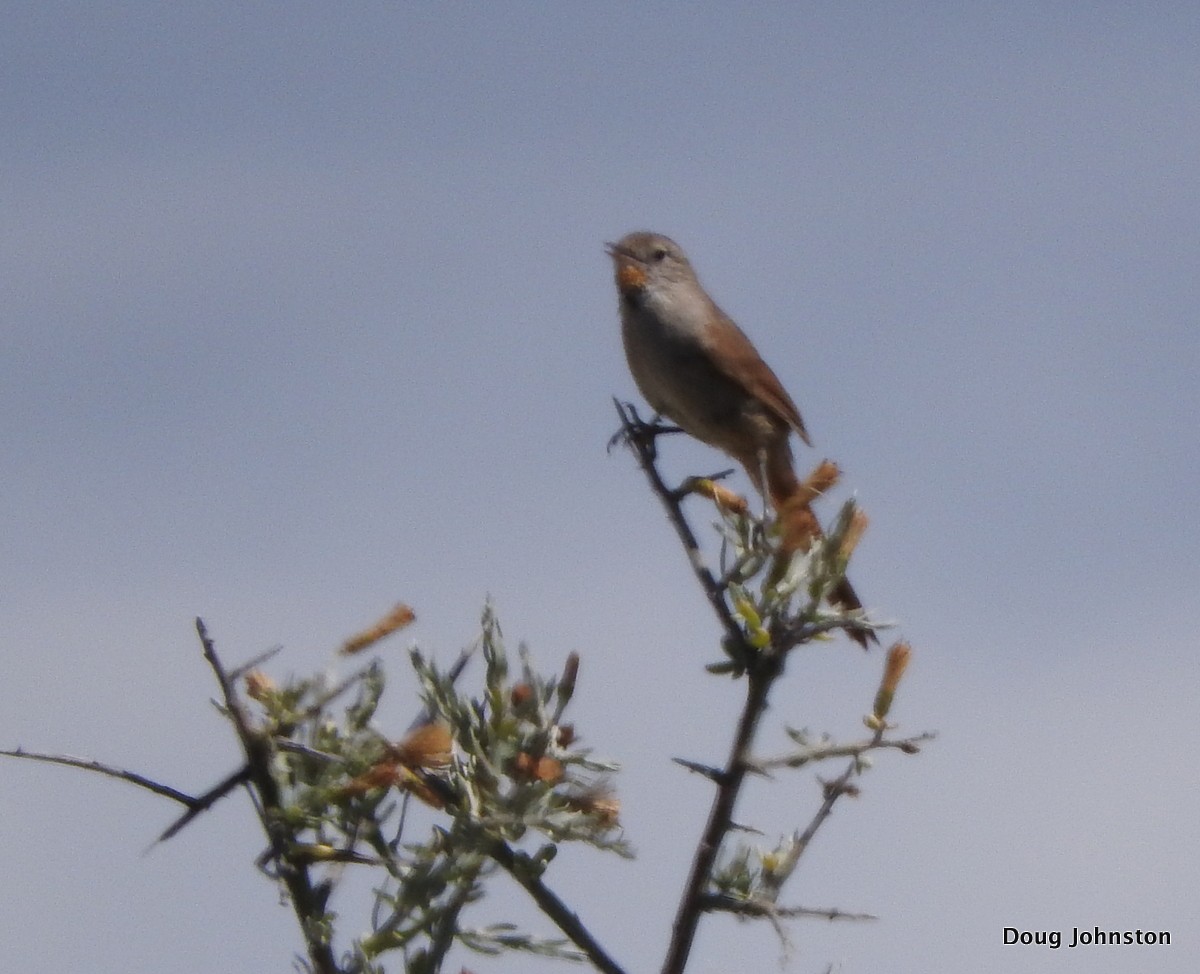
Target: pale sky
304	310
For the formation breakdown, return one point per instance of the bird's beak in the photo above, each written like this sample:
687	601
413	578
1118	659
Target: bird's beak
631	272
617	252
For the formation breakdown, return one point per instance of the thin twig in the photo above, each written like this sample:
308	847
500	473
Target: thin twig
206	801
317	707
833	790
105	769
786	635
822	752
254	662
696	767
719	903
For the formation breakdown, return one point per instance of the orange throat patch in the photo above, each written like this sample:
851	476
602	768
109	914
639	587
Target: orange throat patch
630	277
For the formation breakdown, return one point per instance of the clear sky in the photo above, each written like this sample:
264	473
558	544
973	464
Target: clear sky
304	310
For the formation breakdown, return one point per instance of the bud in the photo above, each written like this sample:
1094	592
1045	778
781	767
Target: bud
398	618
600	802
305	854
427	746
745	608
381	775
520	695
566	686
756	635
824	476
854	532
528	768
722	496
259	686
897	661
799	525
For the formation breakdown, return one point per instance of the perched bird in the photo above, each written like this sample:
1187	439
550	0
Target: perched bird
698	369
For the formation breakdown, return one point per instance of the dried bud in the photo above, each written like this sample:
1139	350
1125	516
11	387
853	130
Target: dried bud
897	661
544	769
427	746
600	802
397	619
722	496
799	525
259	686
521	695
385	774
549	770
522	766
565	736
854	532
566	686
824	476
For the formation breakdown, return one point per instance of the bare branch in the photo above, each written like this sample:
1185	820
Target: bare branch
718	903
206	801
822	752
639	436
108	770
833	790
720	818
707	770
253	662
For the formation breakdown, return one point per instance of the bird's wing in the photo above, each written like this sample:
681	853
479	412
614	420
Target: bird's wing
739	360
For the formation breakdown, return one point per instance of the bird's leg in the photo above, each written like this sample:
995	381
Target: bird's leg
636	432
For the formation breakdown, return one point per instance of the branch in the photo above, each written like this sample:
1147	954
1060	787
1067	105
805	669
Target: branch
307	902
764	666
206	801
718	903
526	874
822	752
106	769
442	935
639	436
720	819
833	790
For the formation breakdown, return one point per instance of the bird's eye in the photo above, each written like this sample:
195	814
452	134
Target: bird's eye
659	254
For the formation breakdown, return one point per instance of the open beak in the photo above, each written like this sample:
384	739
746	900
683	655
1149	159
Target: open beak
631	271
616	252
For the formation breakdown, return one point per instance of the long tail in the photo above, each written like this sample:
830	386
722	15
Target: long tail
845	597
792	500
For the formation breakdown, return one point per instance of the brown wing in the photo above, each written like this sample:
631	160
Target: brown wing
740	361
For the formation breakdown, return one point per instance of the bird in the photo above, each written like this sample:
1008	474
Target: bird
697	368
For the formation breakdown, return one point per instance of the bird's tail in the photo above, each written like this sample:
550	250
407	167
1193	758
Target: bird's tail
792	500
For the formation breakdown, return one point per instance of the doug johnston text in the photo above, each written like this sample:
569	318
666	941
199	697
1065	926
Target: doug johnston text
1095	937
